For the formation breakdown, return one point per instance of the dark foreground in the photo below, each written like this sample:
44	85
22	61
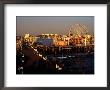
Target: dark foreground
29	61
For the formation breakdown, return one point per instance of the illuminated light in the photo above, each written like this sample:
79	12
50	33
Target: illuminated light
20	68
23	56
35	50
47	34
22	61
40	55
51	34
44	58
26	36
85	41
59	68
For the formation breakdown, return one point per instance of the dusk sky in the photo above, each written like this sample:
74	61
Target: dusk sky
35	25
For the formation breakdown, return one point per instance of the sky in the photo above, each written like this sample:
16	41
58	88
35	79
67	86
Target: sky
36	25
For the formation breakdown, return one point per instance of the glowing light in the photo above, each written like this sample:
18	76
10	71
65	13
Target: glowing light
22	61
44	58
26	36
23	55
40	55
59	68
85	41
35	50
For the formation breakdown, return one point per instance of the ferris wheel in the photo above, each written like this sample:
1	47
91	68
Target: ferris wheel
79	29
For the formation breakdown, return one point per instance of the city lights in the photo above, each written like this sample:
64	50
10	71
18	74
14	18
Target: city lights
53	53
